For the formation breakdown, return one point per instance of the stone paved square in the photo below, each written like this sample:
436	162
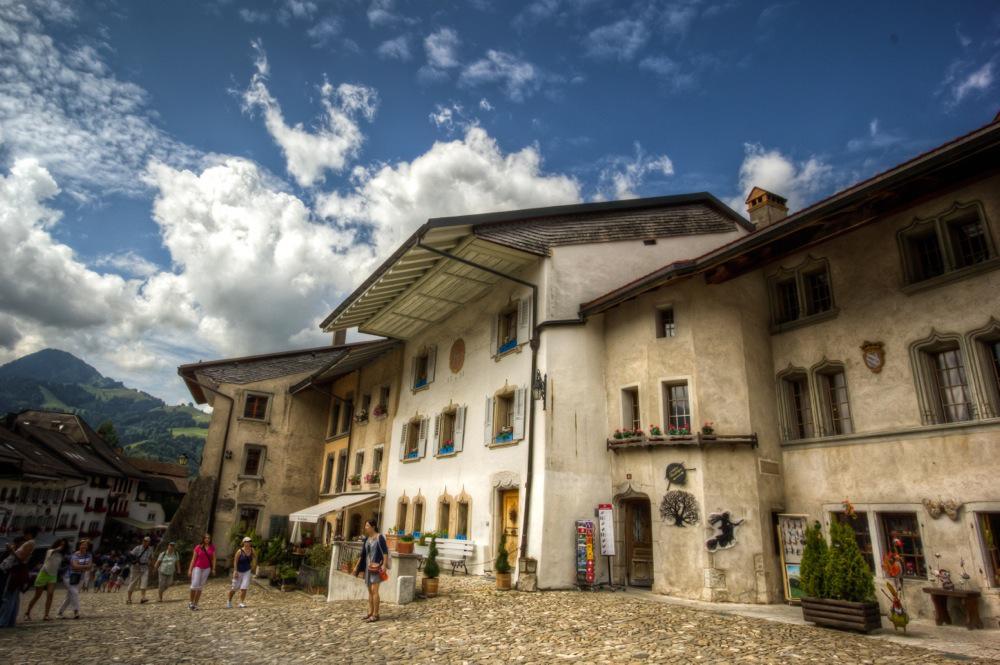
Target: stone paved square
469	623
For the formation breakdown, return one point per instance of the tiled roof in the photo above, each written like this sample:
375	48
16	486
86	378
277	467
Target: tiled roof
262	368
350	361
76	429
158	468
32	458
540	234
59	445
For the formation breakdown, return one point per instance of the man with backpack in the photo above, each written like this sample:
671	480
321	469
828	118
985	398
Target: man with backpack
139	558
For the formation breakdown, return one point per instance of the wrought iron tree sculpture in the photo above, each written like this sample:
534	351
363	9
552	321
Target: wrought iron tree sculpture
679	506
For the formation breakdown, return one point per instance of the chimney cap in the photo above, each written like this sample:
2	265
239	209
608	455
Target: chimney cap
762	194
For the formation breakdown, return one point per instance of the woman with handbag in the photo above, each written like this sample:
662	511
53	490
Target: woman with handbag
80	562
14	572
373	565
47	577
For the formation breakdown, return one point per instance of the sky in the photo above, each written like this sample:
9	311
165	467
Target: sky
186	181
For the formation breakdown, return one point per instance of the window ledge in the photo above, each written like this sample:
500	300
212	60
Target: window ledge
862	437
244	476
410	460
952	276
340	435
263	421
805	321
451	454
417	389
505	444
501	355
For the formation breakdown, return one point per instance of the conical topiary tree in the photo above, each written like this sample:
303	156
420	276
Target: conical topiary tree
812	570
503	562
431	567
847	574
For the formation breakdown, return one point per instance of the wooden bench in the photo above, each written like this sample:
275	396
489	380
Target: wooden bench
970	600
451	551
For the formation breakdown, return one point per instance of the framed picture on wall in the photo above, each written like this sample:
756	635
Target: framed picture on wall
793	582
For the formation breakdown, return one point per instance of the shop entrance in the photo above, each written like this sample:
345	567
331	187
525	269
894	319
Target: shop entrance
637	525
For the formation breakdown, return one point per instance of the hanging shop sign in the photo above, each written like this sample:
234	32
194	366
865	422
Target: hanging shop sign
792	538
677	474
606	526
585	552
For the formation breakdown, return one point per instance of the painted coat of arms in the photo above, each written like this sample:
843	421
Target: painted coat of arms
873	354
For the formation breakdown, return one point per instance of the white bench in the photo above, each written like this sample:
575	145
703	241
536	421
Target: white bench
451	551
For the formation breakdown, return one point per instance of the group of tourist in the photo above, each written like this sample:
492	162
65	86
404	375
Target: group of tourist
80	570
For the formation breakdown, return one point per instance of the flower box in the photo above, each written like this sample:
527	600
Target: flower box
507	346
504	437
379	411
413	454
446	449
843	614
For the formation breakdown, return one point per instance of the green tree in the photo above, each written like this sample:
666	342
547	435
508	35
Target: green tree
847	574
431	567
812	570
503	562
108	432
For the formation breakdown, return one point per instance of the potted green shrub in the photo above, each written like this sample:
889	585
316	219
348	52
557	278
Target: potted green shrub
431	570
837	583
405	544
502	565
289	575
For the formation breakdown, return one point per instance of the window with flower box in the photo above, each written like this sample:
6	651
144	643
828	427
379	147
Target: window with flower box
505	415
511	327
377	454
901	533
950	244
381	409
631	420
449	430
676	408
418	515
364	409
422	371
462	523
413	440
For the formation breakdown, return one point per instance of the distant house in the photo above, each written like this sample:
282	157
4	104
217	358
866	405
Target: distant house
161	491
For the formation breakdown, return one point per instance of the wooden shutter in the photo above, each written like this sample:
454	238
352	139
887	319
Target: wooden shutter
493	335
459	428
437	432
520	402
489	421
422	438
413	372
402	441
432	356
524	320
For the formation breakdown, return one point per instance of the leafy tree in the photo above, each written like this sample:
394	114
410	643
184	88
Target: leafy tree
108	433
812	570
847	574
503	561
431	567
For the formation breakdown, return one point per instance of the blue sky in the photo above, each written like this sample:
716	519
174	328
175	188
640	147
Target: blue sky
190	180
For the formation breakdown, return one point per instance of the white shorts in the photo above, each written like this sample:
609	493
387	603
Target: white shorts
241	581
198	577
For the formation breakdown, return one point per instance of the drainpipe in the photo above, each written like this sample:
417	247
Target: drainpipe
534	343
222	454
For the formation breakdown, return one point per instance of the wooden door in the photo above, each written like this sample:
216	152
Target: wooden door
639	543
509	506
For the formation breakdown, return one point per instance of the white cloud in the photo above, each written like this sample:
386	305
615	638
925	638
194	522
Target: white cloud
669	70
619	41
877	138
443	117
129	263
441	47
452	178
333	142
298	9
395	49
380	12
976	81
324	31
799	182
485	105
518	78
622	176
254	15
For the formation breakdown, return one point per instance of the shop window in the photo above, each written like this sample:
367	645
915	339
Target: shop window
444	517
798	419
505	416
901	533
957	239
665	325
862	534
253	460
833	400
630	409
255	406
418	515
413	440
989	533
423	368
677	407
800	294
462	524
402	508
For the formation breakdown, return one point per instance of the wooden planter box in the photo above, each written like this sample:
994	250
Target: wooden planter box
842	614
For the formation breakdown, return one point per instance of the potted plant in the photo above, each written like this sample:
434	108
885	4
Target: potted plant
379	411
655	432
836	582
405	544
431	570
708	429
288	575
502	566
361	416
354	478
372	478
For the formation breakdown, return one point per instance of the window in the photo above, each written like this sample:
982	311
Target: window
862	534
954	402
800	293
366	405
677	408
418	515
382	408
335	409
446	437
665	326
347	414
817	291
359	462
630	409
989	534
341	471
248	517
377	460
328	474
505	418
797	408
402	508
511	327
462	524
833	398
444	516
413	441
253	460
900	532
507	329
957	239
423	368
985	343
788	301
255	406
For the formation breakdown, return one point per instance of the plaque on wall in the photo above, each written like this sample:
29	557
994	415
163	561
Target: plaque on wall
873	353
457	356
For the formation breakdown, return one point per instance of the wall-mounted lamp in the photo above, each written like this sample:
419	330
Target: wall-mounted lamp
538	387
182	459
229	454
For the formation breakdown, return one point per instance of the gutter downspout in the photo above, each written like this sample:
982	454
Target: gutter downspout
534	342
222	453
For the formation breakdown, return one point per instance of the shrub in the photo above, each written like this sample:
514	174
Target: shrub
812	570
503	562
847	575
431	568
406	538
288	572
273	551
318	555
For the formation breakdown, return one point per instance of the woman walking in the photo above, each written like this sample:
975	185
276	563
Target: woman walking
202	565
47	577
165	567
14	574
243	563
372	565
80	563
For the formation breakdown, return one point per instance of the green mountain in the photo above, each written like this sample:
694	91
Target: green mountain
146	426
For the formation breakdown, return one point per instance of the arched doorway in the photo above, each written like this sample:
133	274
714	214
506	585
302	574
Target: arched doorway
637	539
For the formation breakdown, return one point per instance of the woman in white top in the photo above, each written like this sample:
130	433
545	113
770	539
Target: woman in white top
47	577
80	563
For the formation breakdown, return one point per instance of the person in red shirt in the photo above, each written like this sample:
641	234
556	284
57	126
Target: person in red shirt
202	566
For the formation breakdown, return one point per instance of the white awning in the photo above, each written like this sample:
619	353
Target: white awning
314	513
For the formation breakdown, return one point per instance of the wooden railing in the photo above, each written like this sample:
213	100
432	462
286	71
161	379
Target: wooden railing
696	439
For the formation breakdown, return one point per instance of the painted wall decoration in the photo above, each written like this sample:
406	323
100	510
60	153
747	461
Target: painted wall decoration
873	353
679	506
456	358
949	507
726	531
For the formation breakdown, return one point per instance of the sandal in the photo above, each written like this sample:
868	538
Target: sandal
46	618
372	619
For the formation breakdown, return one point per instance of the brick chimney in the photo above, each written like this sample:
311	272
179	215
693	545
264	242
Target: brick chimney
339	337
765	207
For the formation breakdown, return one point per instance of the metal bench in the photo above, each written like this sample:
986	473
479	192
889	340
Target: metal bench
451	551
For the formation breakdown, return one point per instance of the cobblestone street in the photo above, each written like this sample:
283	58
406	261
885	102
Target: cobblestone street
470	622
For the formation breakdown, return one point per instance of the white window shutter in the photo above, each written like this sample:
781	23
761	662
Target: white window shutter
437	431
402	441
493	335
489	421
432	356
422	439
459	428
524	320
520	401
